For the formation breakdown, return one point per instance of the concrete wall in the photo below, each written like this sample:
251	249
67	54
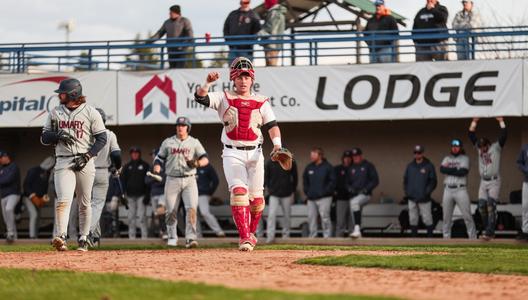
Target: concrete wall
388	144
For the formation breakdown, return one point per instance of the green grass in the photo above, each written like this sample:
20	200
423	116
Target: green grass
31	284
497	259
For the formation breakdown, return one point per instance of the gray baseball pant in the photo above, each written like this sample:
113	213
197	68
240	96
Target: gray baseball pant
100	188
274	203
356	203
177	188
209	218
420	209
8	213
73	221
68	182
460	197
320	207
488	196
525	207
343	218
137	209
33	217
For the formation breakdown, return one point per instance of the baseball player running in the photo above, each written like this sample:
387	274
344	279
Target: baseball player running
456	167
181	154
490	181
78	133
243	113
108	158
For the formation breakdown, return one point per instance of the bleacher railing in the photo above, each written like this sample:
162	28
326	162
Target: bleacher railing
337	48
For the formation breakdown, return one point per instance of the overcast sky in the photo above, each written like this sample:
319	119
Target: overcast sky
37	20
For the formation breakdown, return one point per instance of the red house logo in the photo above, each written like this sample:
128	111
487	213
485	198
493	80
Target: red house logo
163	85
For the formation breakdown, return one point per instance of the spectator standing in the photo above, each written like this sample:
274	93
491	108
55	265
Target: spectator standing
419	181
455	167
362	179
157	197
275	24
9	193
133	179
382	51
242	21
319	185
36	184
207	180
489	157
464	21
434	17
176	26
341	195
281	185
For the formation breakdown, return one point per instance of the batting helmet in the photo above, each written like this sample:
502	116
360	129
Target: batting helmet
241	65
103	114
71	87
184	121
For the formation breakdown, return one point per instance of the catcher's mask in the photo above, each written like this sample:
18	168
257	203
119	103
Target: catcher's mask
241	66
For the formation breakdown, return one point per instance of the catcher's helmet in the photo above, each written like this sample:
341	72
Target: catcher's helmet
103	114
241	65
71	87
184	121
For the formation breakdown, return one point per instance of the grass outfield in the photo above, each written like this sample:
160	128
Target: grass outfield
31	284
493	259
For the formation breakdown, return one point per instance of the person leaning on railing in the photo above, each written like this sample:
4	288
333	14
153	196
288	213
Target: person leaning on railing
382	51
433	16
464	21
175	26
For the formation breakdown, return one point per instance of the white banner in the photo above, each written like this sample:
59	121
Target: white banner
26	99
436	90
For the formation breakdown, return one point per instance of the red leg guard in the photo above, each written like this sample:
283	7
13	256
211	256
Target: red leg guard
241	216
256	207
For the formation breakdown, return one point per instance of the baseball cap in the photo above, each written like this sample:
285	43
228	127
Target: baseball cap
347	153
456	143
356	151
379	2
175	9
3	153
135	149
419	149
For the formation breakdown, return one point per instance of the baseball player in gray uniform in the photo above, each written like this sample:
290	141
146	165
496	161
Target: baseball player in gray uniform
522	164
489	156
78	133
109	158
456	167
181	154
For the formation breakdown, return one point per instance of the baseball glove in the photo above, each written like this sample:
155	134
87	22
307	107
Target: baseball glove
80	162
284	157
66	138
193	163
39	201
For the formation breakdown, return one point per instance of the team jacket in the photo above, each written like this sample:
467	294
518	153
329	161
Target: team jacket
341	190
9	180
207	180
280	183
36	181
362	178
379	23
435	18
419	180
318	180
522	161
241	23
133	178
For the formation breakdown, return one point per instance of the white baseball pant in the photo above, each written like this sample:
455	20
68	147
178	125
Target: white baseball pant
33	217
460	197
100	188
8	213
274	204
137	209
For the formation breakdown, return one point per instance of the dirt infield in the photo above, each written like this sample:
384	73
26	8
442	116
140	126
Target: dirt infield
276	270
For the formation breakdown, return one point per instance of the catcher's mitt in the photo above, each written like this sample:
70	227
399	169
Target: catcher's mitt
284	157
39	201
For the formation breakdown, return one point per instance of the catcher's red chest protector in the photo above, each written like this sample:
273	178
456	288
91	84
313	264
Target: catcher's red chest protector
242	120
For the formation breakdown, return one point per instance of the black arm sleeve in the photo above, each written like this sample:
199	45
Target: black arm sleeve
502	136
270	125
115	157
473	137
202	100
454	171
49	137
100	142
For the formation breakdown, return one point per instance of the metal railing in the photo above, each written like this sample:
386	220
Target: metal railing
296	49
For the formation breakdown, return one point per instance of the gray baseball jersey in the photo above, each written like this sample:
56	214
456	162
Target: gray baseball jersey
82	123
103	157
459	162
175	153
489	162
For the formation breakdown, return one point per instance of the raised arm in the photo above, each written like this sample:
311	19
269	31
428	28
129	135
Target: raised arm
472	131
503	133
201	93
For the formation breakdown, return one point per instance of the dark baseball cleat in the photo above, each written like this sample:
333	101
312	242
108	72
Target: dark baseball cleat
522	236
191	244
487	237
93	242
10	239
83	246
59	243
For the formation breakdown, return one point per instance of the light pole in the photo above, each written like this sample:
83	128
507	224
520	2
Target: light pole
68	27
